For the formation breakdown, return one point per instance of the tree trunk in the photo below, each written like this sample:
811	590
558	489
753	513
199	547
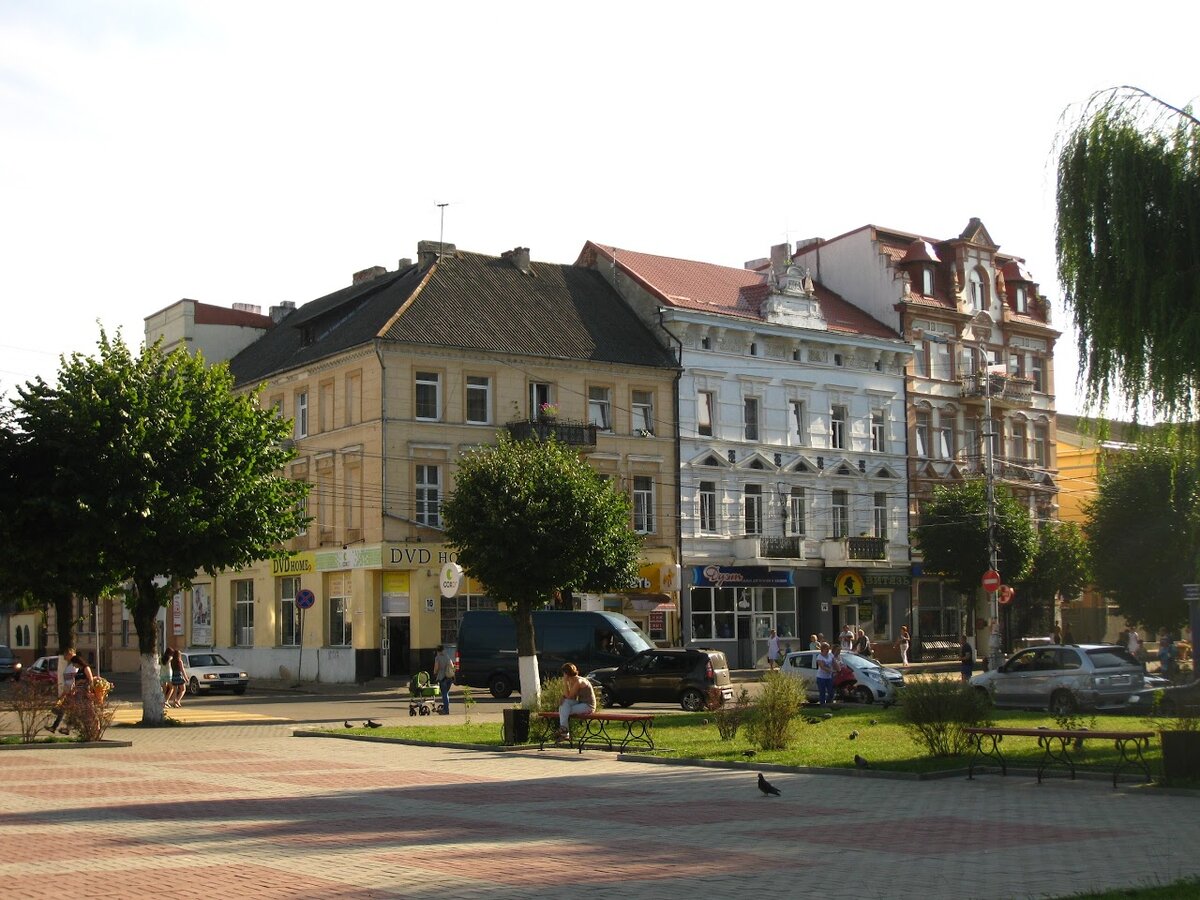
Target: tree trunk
527	663
64	620
145	614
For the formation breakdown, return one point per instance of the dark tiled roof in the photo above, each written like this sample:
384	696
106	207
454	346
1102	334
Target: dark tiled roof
556	311
326	326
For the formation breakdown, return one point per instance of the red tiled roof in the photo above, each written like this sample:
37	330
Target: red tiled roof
207	314
688	284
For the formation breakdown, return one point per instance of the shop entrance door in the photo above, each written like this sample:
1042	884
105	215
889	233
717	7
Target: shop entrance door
745	642
398	655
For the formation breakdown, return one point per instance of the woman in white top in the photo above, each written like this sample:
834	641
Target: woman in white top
578	698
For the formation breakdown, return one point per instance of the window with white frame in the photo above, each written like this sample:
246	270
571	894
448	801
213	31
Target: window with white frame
921	433
878	432
1022	299
708	507
643	504
750	417
289	616
643	411
600	407
243	613
429	396
479	399
840	508
799	424
976	296
302	414
753	509
1020	440
837	427
705	408
1036	373
540	397
429	495
971	438
797	511
921	358
881	514
1041	439
969	361
946	437
927	281
340	600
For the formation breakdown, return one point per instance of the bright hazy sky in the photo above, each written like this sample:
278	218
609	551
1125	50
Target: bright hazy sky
263	151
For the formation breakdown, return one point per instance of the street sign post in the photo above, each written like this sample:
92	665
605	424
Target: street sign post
991	580
305	599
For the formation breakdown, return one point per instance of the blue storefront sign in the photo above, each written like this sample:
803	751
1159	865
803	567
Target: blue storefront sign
740	576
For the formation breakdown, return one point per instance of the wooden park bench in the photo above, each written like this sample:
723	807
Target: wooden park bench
634	731
1057	742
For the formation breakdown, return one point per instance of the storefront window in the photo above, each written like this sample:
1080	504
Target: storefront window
453	609
874	617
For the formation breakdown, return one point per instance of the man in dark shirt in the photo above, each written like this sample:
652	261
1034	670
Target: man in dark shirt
967	659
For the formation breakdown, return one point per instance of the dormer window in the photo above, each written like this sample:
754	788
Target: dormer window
1022	299
975	297
927	281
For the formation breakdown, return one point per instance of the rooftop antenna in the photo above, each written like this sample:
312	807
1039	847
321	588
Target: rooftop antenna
442	228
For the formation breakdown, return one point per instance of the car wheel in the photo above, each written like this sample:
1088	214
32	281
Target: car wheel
624	704
239	690
500	686
692	700
193	687
604	696
1063	703
864	694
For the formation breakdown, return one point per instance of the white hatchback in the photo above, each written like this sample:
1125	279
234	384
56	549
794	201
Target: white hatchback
208	671
871	680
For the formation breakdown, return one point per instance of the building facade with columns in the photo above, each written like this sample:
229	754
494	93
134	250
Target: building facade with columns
793	490
983	338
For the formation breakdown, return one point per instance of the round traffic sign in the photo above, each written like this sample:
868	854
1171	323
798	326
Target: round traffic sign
305	599
1006	594
991	580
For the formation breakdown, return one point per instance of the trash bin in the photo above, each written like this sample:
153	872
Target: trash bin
516	725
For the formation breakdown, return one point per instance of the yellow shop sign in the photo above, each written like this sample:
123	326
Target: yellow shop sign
298	564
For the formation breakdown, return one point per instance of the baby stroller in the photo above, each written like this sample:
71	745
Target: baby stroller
421	696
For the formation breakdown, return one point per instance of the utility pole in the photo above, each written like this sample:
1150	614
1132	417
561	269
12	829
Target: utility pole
995	640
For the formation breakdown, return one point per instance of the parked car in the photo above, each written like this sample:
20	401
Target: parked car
208	671
1066	678
665	676
44	669
871	680
10	666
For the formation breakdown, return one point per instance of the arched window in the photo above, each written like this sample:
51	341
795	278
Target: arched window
976	295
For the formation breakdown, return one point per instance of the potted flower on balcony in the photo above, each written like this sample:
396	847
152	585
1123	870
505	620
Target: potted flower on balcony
548	412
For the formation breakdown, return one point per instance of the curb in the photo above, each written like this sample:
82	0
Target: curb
794	770
68	745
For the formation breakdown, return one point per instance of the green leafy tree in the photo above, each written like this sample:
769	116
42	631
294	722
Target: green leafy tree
1143	530
1060	567
529	518
953	535
165	472
1128	248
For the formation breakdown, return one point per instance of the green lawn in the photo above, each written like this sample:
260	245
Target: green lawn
1186	889
885	744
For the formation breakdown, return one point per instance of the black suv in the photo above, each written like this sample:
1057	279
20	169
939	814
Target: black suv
9	666
671	676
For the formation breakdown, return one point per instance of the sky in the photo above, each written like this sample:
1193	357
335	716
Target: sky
256	152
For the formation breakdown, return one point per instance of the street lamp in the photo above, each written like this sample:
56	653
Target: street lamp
995	640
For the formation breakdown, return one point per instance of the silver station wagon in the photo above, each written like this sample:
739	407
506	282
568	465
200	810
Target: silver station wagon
1063	679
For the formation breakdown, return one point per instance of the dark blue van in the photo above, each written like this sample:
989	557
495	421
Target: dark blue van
487	645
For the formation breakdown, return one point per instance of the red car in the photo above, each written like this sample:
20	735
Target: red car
44	670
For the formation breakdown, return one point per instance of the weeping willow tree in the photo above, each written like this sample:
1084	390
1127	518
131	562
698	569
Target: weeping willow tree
1128	250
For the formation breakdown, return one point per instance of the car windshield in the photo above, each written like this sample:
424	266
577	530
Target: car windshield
208	659
1111	657
854	661
636	638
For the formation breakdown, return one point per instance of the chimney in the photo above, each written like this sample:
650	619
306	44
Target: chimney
368	274
519	257
248	307
429	251
781	258
405	263
282	311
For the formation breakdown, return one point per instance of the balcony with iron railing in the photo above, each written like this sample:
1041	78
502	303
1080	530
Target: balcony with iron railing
1006	390
860	551
575	434
781	547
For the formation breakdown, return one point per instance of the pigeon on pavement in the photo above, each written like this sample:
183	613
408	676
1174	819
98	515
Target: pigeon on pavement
853	735
347	724
373	724
861	763
766	787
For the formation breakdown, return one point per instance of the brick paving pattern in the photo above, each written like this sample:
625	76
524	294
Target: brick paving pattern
248	810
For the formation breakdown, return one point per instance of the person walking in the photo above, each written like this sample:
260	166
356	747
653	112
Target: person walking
846	638
443	674
178	678
904	641
77	677
825	665
773	650
579	698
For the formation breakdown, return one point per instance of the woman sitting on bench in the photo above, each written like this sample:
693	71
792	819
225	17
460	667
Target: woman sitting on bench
578	699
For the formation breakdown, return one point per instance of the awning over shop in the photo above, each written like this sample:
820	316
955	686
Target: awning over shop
651	602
